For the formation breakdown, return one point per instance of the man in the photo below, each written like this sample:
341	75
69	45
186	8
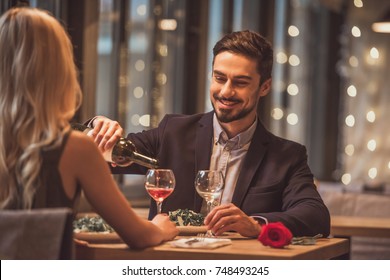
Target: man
266	177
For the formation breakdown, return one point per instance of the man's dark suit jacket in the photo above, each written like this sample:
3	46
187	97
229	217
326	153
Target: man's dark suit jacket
275	181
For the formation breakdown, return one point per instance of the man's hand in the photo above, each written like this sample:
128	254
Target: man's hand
229	217
106	132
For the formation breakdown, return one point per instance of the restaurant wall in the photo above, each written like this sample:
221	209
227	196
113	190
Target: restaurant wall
364	154
141	59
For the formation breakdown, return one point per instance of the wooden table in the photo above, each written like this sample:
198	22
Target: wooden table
241	249
360	226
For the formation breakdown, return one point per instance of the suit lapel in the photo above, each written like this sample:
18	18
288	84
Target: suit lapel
251	163
203	144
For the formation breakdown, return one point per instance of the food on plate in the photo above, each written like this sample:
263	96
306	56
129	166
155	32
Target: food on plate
186	217
91	224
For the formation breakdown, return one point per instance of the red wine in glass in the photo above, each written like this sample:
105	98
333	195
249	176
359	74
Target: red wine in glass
158	194
159	183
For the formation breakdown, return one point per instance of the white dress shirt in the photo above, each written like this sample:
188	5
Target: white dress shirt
228	155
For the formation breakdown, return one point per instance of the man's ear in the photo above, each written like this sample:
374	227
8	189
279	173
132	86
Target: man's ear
265	87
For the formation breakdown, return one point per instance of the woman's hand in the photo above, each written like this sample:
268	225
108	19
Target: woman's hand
167	226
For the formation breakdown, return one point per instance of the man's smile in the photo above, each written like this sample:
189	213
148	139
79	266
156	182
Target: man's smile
226	103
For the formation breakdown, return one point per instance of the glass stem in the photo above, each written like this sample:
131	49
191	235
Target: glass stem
209	233
159	204
209	206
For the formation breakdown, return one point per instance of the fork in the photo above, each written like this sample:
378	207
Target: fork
208	234
193	240
199	238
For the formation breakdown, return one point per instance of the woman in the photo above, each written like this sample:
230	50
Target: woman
42	162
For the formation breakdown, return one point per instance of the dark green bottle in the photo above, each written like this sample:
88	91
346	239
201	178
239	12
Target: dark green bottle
123	153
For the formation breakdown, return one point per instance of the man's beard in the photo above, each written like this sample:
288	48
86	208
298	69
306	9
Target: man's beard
226	116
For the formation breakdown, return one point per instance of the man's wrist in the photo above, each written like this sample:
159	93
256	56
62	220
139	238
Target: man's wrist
260	219
257	227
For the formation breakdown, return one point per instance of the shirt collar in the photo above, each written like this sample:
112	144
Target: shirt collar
241	139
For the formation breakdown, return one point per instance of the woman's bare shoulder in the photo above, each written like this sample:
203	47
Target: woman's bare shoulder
81	144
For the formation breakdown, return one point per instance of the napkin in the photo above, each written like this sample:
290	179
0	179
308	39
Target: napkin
201	243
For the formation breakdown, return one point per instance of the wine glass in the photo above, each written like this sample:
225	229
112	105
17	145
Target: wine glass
159	183
209	185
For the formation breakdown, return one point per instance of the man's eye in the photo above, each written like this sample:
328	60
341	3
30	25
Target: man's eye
241	84
219	79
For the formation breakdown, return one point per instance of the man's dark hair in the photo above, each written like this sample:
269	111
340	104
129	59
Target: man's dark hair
251	45
19	3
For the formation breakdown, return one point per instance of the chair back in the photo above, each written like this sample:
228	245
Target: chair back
37	234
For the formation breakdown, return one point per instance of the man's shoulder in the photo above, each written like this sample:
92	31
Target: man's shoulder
278	141
286	141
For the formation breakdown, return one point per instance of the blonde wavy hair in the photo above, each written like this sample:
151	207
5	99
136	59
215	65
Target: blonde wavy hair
39	94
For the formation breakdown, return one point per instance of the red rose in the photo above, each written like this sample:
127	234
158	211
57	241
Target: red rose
275	235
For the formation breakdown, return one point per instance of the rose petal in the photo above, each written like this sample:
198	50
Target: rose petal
275	235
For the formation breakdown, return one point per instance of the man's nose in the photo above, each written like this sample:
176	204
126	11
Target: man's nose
227	90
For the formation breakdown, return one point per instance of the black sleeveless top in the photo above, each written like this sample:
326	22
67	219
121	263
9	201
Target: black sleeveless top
51	192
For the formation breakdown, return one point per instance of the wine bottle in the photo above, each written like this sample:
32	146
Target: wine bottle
123	153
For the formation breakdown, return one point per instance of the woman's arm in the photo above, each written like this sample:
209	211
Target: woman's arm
83	159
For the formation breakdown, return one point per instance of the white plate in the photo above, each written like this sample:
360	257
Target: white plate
191	230
98	237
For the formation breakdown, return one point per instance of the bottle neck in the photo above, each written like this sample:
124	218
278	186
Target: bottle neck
123	153
80	127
